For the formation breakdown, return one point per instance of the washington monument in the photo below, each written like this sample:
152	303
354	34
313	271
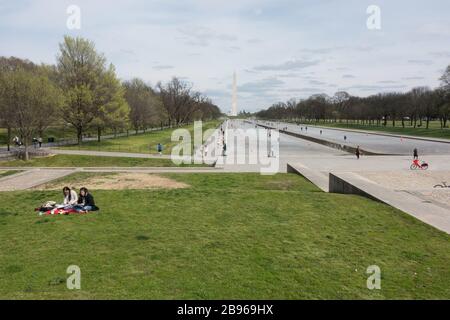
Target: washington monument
234	111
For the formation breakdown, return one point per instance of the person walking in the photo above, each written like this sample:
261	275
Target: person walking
415	154
40	142
358	152
159	147
16	141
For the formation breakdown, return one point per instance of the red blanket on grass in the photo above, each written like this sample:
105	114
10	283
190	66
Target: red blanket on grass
60	211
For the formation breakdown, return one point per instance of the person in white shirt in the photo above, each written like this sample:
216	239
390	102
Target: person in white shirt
70	197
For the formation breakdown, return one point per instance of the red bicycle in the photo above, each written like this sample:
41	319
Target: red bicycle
419	166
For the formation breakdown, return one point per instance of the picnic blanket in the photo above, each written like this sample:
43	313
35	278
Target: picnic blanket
57	211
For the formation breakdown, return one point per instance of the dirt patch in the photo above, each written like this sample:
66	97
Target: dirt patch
118	181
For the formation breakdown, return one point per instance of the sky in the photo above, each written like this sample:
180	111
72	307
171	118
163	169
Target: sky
280	49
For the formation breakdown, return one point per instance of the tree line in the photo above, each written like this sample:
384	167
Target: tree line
82	90
416	107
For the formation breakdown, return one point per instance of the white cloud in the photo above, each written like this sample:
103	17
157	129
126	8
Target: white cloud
279	48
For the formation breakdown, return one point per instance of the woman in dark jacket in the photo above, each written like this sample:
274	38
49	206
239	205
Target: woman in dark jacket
85	201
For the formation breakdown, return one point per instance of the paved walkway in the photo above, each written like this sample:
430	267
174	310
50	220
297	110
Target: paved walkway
30	178
426	210
291	149
387	179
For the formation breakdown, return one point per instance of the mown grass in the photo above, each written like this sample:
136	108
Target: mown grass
142	143
7	172
228	236
62	160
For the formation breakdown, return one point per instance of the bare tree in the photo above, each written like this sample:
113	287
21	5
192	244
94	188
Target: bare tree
178	100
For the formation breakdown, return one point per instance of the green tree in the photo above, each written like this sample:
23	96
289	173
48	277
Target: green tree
33	98
113	109
7	111
89	85
145	106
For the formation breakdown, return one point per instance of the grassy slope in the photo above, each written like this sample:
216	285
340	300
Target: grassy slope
228	236
7	173
142	143
62	160
433	132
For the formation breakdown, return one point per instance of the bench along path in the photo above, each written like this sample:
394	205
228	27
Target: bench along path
30	178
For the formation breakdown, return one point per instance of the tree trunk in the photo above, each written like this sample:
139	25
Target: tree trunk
9	139
25	143
99	133
79	135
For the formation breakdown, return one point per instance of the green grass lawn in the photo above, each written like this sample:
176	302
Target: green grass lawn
142	143
433	132
7	172
227	236
62	160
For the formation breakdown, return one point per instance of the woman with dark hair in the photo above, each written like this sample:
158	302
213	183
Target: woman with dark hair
70	197
85	202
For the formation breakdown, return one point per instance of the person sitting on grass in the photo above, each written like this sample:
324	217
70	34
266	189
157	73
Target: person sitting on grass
70	197
85	202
